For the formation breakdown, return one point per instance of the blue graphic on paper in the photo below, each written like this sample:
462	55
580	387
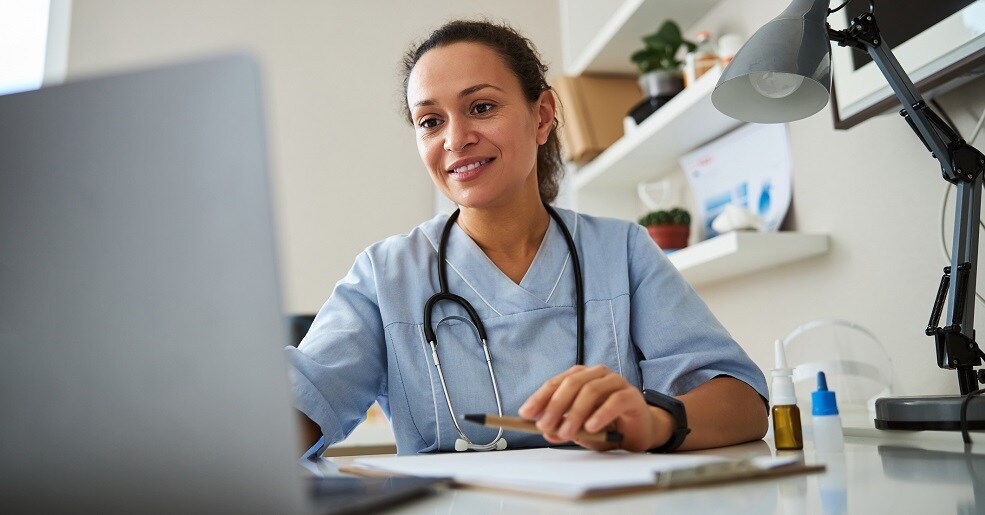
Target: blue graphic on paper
749	167
715	205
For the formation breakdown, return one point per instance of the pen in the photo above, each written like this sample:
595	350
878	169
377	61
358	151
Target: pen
529	426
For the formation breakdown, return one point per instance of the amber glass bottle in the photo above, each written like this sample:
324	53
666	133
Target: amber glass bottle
787	433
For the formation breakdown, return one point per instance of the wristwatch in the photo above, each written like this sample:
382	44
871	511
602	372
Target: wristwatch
676	410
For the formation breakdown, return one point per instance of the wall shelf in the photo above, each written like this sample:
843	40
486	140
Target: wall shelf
653	148
600	38
739	253
620	35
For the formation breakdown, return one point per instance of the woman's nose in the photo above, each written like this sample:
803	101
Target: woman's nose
459	134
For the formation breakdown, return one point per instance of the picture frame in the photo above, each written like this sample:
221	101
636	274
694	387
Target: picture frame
942	56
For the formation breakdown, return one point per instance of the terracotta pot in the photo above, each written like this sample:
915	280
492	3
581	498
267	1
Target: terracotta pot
669	237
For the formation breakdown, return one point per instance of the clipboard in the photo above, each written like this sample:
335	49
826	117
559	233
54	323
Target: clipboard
575	474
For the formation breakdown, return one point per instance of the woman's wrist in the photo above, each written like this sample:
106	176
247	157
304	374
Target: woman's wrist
662	423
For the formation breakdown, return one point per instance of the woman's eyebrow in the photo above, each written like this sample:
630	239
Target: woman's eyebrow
464	93
478	87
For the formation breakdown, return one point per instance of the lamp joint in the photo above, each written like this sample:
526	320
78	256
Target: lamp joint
864	29
966	161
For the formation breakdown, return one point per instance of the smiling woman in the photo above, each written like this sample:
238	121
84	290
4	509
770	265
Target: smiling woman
500	284
519	73
476	132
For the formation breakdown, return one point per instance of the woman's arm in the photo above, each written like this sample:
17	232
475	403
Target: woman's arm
308	432
339	366
722	411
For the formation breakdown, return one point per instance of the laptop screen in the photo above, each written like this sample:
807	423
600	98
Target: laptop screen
141	329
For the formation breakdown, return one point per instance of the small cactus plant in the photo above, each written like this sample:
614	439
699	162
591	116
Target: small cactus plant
669	229
676	216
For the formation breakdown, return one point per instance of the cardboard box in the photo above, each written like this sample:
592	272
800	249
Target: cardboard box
592	112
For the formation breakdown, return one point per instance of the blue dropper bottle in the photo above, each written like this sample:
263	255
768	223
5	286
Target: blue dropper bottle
828	434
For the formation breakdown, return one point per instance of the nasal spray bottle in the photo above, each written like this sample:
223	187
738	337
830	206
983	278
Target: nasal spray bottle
828	435
787	432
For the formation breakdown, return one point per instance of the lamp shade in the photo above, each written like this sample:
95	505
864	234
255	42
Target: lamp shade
783	72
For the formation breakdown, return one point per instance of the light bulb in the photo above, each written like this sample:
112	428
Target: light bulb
775	84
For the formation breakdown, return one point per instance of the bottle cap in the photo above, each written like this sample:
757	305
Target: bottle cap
823	400
783	390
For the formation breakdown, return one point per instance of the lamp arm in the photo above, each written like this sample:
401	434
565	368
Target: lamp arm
863	34
962	165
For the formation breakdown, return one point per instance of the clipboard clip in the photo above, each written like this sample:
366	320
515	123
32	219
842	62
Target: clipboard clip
721	471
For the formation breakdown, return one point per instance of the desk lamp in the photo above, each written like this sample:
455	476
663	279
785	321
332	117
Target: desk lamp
783	73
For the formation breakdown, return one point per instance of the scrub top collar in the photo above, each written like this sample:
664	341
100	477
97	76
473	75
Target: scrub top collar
548	282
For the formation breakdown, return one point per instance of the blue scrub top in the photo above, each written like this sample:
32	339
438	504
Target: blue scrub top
367	342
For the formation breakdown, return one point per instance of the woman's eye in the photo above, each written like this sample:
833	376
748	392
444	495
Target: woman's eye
482	108
429	123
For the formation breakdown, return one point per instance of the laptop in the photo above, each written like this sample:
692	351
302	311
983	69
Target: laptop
141	328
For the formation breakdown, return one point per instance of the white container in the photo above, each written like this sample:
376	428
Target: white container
828	435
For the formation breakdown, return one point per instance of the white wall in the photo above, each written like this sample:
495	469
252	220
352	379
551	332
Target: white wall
876	191
346	170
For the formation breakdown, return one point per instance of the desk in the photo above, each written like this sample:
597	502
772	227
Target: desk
875	474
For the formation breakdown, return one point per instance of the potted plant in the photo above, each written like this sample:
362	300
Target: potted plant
668	228
660	70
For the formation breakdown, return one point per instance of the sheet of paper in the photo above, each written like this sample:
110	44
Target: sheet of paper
749	167
567	472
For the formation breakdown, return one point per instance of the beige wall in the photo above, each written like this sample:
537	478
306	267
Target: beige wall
877	192
346	171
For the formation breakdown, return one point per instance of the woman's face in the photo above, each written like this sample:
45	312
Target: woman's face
476	132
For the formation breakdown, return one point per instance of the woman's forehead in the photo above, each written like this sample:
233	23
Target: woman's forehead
448	70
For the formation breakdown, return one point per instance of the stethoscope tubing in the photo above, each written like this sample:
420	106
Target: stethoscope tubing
445	295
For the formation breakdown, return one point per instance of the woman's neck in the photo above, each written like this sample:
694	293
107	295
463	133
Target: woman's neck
510	235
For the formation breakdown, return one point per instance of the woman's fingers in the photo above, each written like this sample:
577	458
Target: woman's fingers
553	415
591	399
534	405
615	405
586	401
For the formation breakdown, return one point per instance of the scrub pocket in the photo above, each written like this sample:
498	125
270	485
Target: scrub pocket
415	385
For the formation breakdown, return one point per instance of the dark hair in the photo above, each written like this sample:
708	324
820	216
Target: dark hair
523	60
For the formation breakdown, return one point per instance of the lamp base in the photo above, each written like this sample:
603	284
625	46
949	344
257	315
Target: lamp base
928	413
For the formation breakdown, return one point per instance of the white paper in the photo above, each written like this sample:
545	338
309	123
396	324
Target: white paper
567	472
749	167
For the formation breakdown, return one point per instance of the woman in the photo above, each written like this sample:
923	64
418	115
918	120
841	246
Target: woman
485	122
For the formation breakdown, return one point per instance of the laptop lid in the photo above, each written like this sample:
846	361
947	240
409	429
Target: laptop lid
141	330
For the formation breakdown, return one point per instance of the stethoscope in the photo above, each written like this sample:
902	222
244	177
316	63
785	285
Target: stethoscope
498	443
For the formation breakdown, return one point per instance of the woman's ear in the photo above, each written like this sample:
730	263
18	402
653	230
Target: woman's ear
546	115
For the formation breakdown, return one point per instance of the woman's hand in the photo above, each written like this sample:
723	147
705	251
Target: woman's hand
596	399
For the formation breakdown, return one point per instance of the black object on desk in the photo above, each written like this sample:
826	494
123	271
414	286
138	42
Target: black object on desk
338	495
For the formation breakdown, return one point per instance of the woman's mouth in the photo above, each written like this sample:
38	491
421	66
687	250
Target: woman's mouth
467	171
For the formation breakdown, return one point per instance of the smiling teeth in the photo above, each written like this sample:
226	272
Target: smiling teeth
469	168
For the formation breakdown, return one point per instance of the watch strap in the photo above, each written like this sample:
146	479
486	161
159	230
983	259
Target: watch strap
677	412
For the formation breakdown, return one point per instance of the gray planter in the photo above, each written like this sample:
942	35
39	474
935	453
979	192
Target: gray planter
662	83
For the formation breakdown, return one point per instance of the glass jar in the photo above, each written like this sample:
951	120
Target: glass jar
703	58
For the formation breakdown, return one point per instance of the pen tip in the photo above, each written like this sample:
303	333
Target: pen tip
478	418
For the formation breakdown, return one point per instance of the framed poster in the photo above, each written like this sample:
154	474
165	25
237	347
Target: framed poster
938	43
